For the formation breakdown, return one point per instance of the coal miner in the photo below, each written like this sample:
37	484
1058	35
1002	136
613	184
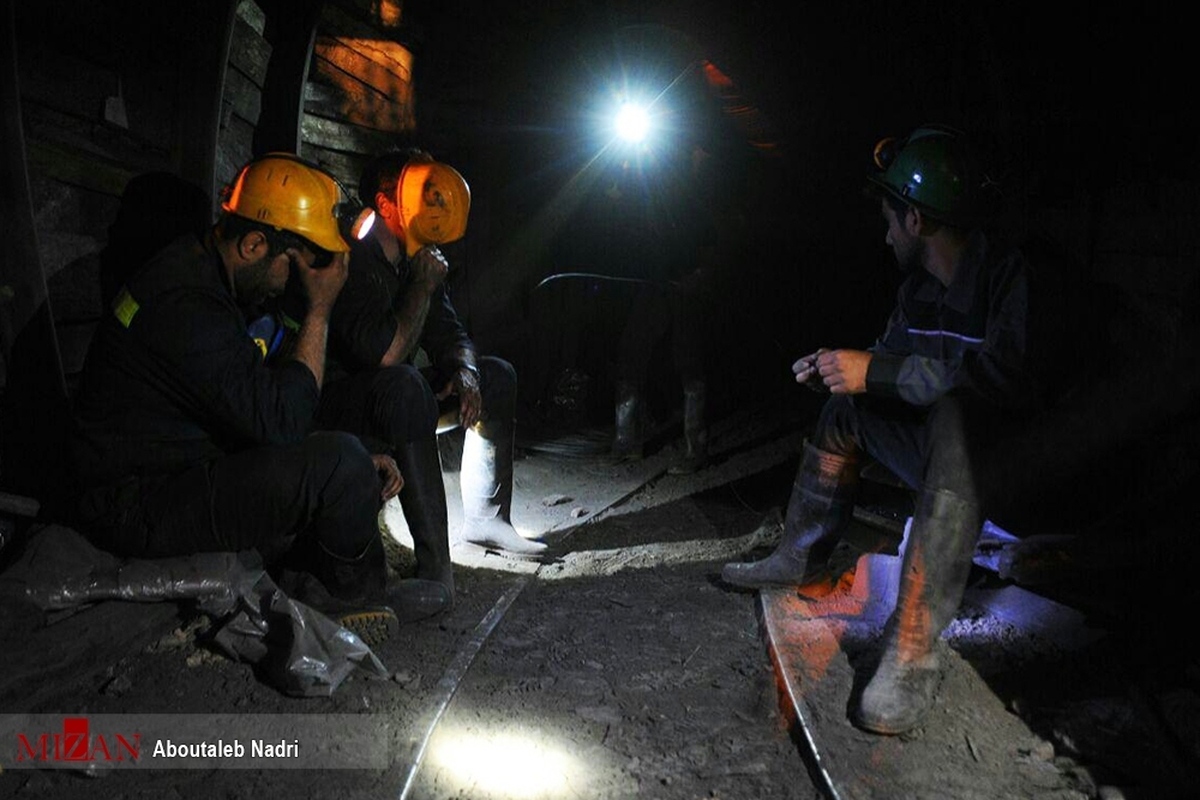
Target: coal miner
946	378
394	304
188	442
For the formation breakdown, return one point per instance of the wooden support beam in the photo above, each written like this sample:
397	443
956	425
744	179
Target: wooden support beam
23	292
367	86
75	167
32	415
290	30
206	54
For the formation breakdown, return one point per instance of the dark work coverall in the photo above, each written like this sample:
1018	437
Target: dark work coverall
394	405
187	442
672	246
947	377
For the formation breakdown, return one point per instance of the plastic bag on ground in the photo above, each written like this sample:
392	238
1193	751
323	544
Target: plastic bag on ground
294	647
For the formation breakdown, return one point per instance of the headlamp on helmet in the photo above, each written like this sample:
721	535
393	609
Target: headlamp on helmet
935	170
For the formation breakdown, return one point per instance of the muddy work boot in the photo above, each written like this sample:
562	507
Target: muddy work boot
937	562
487	487
821	505
695	432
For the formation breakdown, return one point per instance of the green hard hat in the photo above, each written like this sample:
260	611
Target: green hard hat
937	171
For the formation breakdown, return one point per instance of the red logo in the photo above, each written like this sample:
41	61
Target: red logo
76	744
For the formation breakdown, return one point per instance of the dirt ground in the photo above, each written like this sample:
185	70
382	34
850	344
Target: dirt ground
613	681
626	669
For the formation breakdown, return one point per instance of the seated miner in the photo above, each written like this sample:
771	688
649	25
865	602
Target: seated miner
394	302
188	442
946	377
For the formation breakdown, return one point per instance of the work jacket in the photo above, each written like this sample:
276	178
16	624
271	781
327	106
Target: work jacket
969	336
364	318
174	379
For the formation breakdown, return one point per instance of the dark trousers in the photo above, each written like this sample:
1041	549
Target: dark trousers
392	406
951	445
387	407
684	312
497	387
322	491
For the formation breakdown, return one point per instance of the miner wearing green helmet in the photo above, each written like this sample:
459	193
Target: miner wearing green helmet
947	377
937	170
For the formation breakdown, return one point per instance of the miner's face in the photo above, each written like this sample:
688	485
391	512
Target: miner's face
902	237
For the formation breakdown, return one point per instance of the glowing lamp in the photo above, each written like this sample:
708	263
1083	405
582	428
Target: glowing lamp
632	122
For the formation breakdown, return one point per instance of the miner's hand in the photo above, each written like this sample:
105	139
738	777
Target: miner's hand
805	370
844	371
389	474
465	384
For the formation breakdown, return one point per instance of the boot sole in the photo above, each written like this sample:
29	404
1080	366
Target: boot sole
484	549
899	724
812	587
761	584
884	729
372	627
890	727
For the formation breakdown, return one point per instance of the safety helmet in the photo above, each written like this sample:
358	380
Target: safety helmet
290	194
434	202
937	171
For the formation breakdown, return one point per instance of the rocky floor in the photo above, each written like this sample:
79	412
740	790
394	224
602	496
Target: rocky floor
597	682
627	669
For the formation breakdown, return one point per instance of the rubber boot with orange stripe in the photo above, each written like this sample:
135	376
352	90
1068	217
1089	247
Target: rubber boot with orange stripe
934	572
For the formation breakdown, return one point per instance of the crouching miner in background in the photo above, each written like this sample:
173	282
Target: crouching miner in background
187	442
945	379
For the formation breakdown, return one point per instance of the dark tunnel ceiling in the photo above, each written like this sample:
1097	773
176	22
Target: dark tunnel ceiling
1105	86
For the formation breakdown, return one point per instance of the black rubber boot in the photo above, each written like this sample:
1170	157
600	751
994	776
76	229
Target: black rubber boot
821	505
487	487
423	500
358	593
628	437
372	621
695	431
937	563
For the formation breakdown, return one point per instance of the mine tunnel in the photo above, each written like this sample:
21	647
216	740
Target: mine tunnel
671	231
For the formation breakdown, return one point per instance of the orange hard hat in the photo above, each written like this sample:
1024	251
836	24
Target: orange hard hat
434	202
288	193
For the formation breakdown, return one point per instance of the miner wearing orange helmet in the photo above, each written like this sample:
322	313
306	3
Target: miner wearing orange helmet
189	442
395	303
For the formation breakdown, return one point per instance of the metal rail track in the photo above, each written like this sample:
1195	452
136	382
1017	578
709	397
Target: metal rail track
448	684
